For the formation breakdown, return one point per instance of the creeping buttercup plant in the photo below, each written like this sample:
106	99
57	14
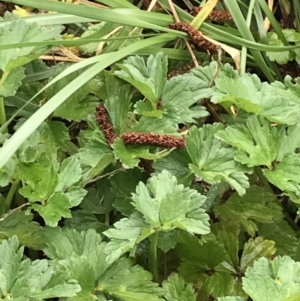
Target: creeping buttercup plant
131	192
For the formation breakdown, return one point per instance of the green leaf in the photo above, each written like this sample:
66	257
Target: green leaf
19	31
18	224
272	280
94	154
231	299
64	243
149	78
256	248
123	185
254	97
128	159
258	143
118	102
182	92
129	283
69	174
166	205
144	108
167	240
286	177
274	147
96	31
31	149
82	221
154	125
12	82
81	254
212	160
80	269
80	104
247	97
225	285
196	258
57	207
55	136
126	233
40	178
177	290
284	57
26	280
177	163
99	199
282	234
258	205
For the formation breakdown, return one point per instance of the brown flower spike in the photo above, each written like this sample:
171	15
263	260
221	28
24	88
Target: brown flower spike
153	139
218	16
196	37
105	125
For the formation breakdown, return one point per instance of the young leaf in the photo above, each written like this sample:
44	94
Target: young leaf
177	290
26	280
166	205
180	93
258	205
212	160
275	280
40	179
148	78
256	248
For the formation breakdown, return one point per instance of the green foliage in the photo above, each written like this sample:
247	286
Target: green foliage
34	280
213	219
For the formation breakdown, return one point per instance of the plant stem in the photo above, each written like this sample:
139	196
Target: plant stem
11	193
2	105
153	256
2	113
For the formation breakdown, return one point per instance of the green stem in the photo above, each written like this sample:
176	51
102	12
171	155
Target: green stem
2	112
2	105
11	193
153	264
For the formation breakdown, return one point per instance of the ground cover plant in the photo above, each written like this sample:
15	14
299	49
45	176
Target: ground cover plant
149	150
